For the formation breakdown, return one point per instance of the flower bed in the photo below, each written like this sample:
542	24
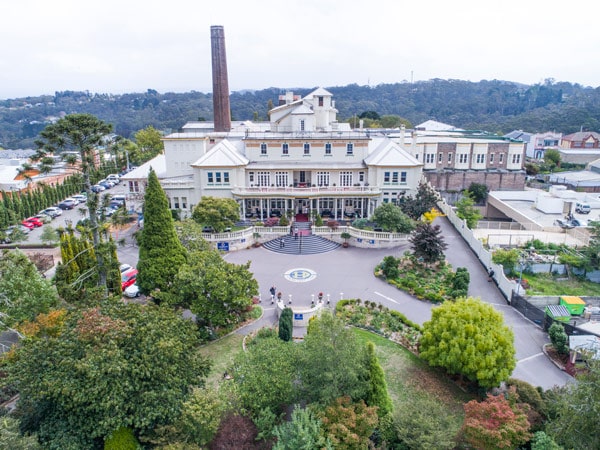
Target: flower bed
381	320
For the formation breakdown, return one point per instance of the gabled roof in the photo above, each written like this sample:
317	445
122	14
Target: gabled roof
581	136
434	125
158	163
320	92
223	154
302	109
519	135
388	153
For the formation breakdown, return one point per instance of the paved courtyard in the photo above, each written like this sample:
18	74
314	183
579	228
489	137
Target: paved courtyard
348	273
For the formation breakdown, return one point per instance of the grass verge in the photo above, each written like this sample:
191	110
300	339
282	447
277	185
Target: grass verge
221	353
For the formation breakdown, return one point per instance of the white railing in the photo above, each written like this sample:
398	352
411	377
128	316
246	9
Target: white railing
308	190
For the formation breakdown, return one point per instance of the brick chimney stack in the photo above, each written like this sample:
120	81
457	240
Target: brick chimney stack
222	110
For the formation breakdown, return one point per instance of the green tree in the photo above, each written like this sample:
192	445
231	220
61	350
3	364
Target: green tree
423	424
552	158
466	210
122	439
507	258
218	213
268	359
460	283
424	199
559	338
49	235
286	324
216	291
478	192
495	424
469	338
391	218
11	438
161	253
377	394
574	411
541	441
303	432
121	365
82	133
428	243
149	141
23	292
333	363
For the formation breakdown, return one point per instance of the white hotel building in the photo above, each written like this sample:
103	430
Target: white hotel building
302	160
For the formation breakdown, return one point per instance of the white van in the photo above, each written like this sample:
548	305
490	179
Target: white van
114	178
582	208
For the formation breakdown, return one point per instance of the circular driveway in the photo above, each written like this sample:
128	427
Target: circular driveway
349	273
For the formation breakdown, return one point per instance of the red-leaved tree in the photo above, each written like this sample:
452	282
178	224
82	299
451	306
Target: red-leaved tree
495	424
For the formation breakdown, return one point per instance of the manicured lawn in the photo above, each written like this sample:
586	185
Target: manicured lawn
221	354
546	284
407	377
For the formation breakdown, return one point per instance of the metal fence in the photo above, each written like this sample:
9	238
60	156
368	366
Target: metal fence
530	311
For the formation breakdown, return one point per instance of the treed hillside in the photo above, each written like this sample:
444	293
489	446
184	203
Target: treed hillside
495	106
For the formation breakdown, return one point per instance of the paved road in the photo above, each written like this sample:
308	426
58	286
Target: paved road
348	273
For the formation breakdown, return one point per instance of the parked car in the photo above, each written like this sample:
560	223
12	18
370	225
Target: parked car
107	184
124	267
208	229
7	237
34	221
132	291
578	223
128	278
80	198
563	223
114	178
53	211
97	188
44	218
582	208
67	204
29	225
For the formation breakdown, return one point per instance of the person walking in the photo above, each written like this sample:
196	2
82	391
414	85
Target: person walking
281	243
272	291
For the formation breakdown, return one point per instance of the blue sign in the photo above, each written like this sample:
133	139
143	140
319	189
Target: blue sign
358	240
372	241
298	316
224	246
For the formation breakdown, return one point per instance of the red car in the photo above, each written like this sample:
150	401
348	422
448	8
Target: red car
28	224
34	221
128	278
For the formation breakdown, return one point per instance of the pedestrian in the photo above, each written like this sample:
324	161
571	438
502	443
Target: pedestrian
490	274
281	243
272	291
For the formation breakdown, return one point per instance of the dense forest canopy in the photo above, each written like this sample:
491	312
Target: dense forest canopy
495	106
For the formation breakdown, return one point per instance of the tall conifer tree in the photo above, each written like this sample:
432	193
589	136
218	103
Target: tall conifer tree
161	253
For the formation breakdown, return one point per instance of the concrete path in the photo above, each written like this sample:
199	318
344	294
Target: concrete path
348	273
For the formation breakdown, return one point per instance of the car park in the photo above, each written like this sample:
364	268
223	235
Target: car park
53	211
132	291
128	278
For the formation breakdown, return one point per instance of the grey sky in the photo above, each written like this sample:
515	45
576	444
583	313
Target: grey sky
118	46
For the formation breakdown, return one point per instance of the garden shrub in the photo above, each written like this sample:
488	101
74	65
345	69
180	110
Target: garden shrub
122	439
559	338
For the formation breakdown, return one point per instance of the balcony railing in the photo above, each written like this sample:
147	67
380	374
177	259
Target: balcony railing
306	191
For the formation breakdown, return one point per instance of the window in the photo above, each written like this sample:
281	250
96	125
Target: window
480	158
281	179
320	101
491	158
403	177
251	177
285	148
183	202
263	149
263	178
349	148
306	148
345	178
361	177
134	187
218	177
395	177
386	177
516	158
322	178
226	177
211	178
175	202
328	148
463	158
302	125
429	158
501	158
440	157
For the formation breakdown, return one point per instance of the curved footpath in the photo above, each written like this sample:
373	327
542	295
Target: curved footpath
348	273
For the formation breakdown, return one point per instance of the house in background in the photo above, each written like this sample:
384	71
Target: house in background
582	147
536	144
